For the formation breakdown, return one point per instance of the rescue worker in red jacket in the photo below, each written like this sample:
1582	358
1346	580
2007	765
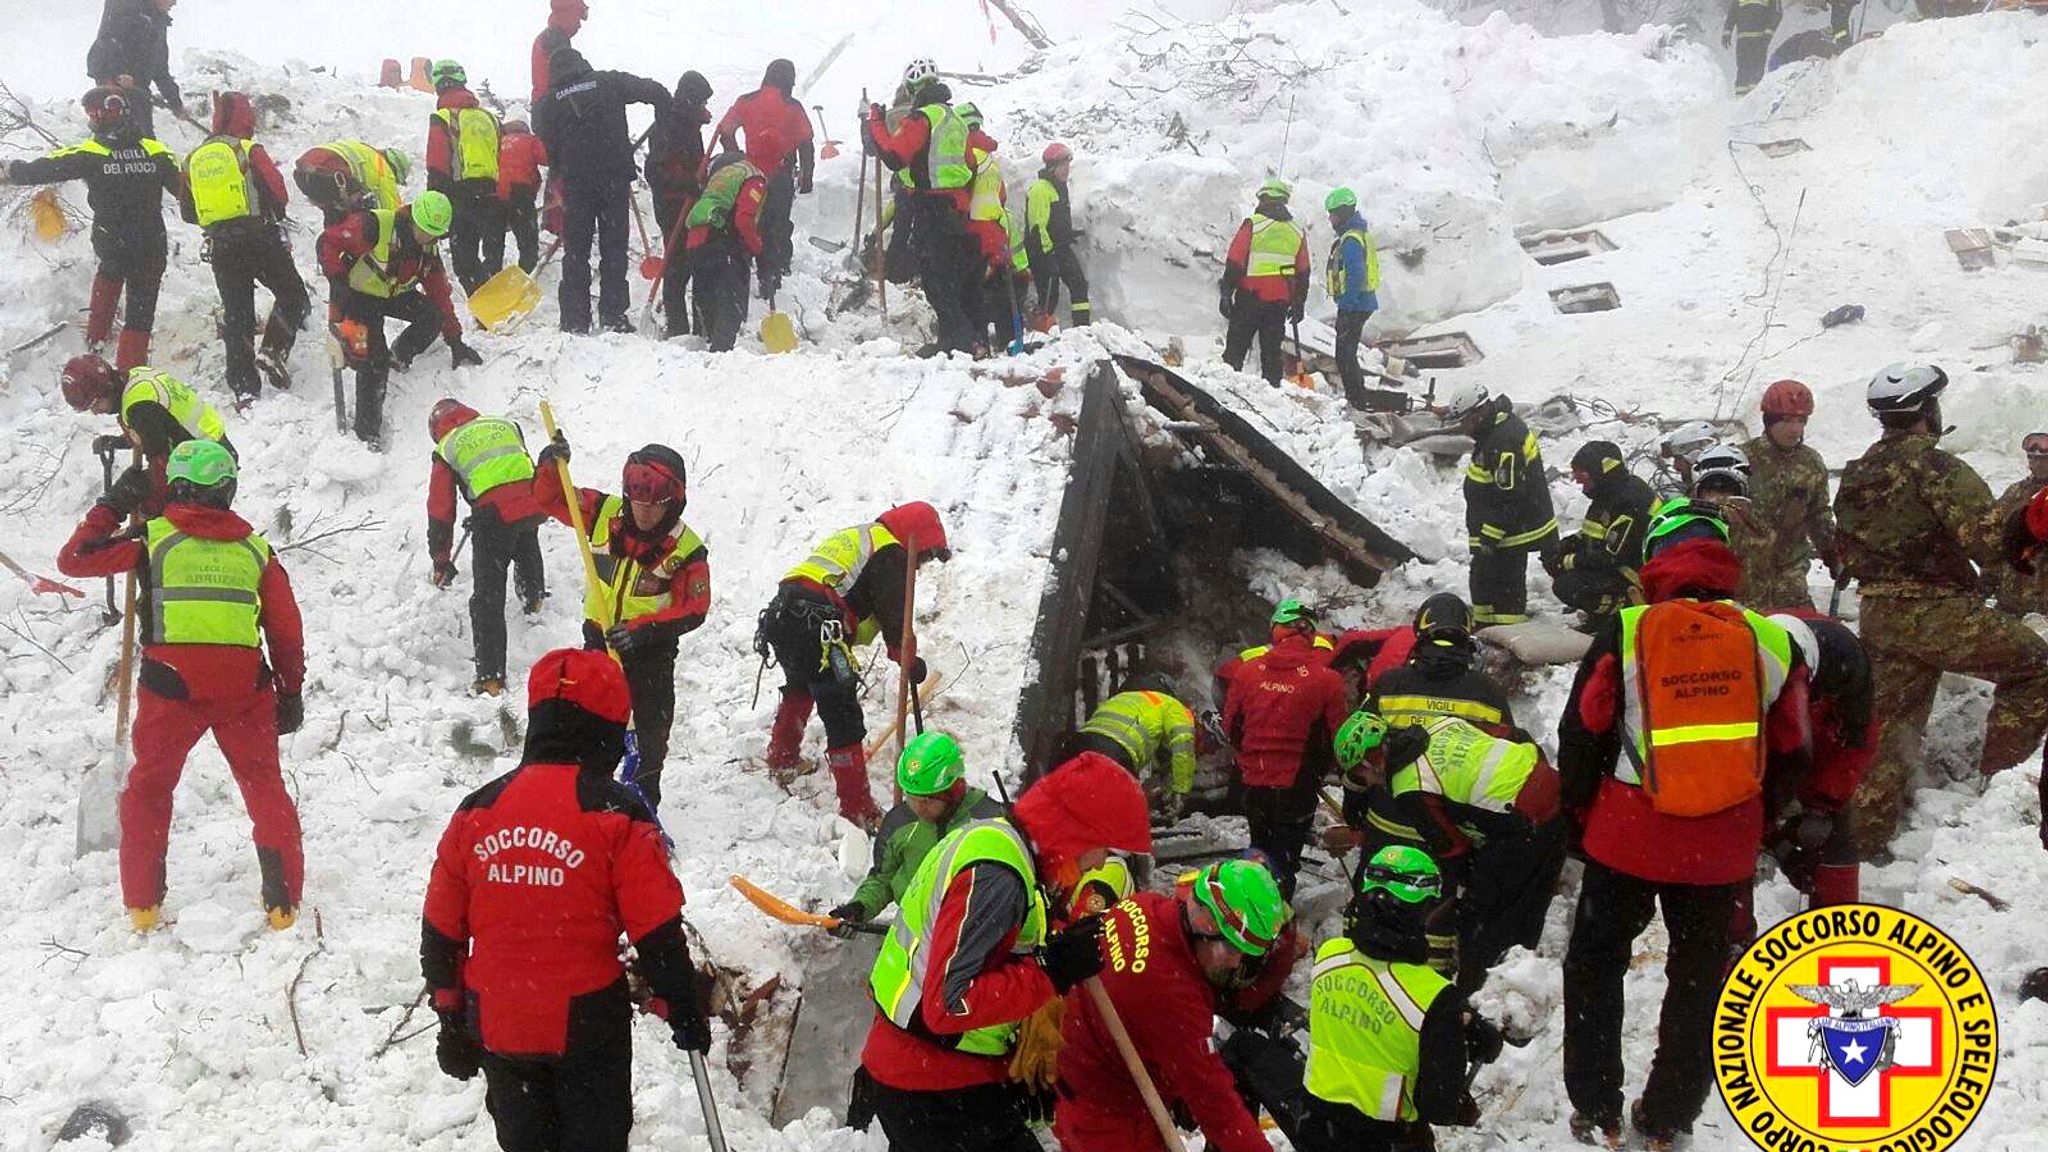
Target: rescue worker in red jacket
521	156
2025	534
1169	959
565	19
654	585
342	177
771	109
1282	711
157	412
1265	281
1671	791
462	162
675	175
537	875
235	193
382	265
848	591
127	175
725	236
212	593
973	953
484	458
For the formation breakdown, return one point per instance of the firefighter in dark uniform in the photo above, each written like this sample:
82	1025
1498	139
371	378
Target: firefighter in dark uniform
1441	676
1750	25
1507	502
1595	570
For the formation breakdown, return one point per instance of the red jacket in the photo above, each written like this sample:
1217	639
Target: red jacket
745	222
2037	515
1169	1007
355	235
689	586
521	156
440	145
1843	715
768	110
1283	708
1620	827
210	671
510	503
537	876
563	24
1271	289
904	148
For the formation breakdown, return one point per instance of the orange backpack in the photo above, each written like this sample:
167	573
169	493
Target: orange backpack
1701	682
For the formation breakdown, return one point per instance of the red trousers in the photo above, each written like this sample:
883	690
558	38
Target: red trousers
245	727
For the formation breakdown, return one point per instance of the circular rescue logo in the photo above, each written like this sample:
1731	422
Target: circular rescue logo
1855	1027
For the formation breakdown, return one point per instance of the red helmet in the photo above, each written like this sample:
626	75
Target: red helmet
656	475
448	415
1788	398
590	680
105	107
917	524
88	381
1057	153
234	115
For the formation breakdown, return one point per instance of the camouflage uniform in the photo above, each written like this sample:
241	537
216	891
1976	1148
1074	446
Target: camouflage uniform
1788	493
1911	518
2017	592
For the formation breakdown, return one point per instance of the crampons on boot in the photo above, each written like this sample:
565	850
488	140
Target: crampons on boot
146	920
1598	1133
850	777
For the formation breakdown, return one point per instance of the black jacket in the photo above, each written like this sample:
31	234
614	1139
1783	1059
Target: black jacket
582	119
1442	688
126	179
1616	522
1507	493
134	40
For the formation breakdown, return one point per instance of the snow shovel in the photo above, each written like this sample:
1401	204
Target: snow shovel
338	360
926	693
831	146
1302	377
510	295
779	909
778	335
40	585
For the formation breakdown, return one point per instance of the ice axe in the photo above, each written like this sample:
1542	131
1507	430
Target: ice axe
831	146
40	585
778	908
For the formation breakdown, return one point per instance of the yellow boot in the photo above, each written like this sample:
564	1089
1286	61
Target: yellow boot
146	920
283	916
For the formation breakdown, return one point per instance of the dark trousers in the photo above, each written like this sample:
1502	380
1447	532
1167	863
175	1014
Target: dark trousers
494	548
521	218
1249	317
1752	53
243	258
790	626
1064	267
651	680
948	261
777	244
137	269
582	1102
899	260
1350	331
1002	298
422	324
1595	591
1279	820
1500	586
985	1118
1613	910
719	271
595	210
675	271
475	222
1505	897
1840	12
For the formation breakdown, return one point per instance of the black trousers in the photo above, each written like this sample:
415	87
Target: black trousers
675	271
1250	317
948	268
422	324
1279	821
1500	586
244	257
1613	910
651	680
594	211
1840	12
476	220
899	261
1064	267
521	218
984	1118
1350	332
777	244
790	626
718	272
1596	592
1002	296
134	269
494	548
1505	898
581	1102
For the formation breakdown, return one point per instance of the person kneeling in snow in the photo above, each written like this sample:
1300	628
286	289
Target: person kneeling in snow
535	878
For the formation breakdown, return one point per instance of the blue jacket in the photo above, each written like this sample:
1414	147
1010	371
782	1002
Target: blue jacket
1360	268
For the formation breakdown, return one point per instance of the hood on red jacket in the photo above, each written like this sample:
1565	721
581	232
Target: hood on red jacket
1706	569
234	114
456	97
568	15
207	523
447	416
1086	803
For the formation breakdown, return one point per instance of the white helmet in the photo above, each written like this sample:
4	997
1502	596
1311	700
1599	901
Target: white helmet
1905	388
1687	439
1802	639
920	72
1463	399
1720	458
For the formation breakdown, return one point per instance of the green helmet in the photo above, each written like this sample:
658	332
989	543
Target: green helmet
1403	872
969	113
1340	198
201	463
401	164
1246	902
1275	189
1678	520
931	763
433	214
1358	735
447	72
1291	611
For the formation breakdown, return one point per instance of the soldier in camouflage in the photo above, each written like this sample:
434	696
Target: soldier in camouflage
2020	593
1788	491
1911	521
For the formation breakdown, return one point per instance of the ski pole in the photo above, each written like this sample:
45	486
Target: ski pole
705	1103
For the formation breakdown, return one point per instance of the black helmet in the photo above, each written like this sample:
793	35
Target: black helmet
693	89
1445	612
1597	458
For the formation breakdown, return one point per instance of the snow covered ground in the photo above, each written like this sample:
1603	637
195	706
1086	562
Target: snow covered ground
1458	139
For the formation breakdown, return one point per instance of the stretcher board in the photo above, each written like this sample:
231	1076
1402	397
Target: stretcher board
833	1011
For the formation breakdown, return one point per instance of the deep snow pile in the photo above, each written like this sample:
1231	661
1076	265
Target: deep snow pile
1457	138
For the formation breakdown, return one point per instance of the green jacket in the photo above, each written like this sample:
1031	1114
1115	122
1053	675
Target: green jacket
901	844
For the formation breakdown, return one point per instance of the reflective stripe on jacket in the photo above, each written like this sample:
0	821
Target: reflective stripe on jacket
204	591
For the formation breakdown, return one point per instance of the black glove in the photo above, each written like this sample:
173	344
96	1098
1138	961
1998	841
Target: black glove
1295	313
109	445
688	1026
444	573
456	1050
2020	545
1035	1105
1073	955
291	713
553	450
1803	841
622	639
1483	1040
464	354
131	489
848	914
1226	303
917	670
803	185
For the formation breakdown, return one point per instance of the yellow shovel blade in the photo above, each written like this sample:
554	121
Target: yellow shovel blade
505	298
778	335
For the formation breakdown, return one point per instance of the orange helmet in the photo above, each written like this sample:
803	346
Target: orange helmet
1788	398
